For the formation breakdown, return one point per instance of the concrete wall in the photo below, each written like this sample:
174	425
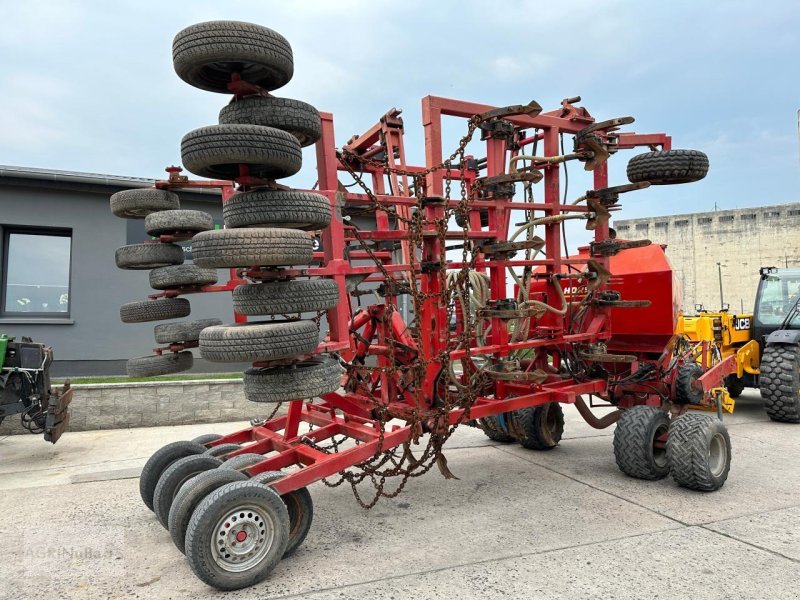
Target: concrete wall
92	340
122	405
742	240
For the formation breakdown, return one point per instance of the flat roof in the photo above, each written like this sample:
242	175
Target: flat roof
54	178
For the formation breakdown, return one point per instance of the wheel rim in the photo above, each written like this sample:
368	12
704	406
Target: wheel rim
242	538
717	455
659	447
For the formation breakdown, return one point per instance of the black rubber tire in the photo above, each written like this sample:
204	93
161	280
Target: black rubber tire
301	514
170	221
139	257
187	331
277	208
205	55
223	248
539	427
694	441
286	297
250	342
734	385
242	461
154	310
217	151
665	167
206	438
159	364
181	276
158	462
634	438
779	382
216	506
137	204
222	450
298	118
685	393
190	495
494	431
302	380
173	477
266	477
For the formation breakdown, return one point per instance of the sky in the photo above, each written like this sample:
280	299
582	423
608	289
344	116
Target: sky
89	86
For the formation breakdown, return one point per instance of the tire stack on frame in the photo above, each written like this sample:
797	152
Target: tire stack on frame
259	136
162	216
234	528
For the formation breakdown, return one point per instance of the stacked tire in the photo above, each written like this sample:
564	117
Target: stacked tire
259	136
162	215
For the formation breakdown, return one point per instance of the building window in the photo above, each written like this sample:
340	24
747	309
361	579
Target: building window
682	223
704	220
622	228
36	272
661	225
726	219
641	226
772	214
794	213
749	217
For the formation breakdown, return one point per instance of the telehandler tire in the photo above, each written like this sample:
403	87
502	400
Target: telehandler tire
779	382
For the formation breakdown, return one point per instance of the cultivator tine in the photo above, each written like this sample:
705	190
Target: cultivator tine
598	274
601	214
510	248
601	145
610	195
522	175
531	109
612	247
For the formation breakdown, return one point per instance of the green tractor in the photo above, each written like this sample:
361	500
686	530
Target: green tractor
25	388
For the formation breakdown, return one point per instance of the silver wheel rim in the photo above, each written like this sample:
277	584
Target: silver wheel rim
242	538
717	455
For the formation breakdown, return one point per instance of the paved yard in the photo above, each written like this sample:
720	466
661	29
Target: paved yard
517	524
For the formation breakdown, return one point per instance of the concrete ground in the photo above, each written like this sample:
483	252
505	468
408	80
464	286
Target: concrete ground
516	524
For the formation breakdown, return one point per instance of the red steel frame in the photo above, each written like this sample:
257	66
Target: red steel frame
351	414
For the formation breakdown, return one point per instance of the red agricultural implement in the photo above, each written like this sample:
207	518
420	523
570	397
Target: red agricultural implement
477	319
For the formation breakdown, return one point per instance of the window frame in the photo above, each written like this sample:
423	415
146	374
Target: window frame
6	231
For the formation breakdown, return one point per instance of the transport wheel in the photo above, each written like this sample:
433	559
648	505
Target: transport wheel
298	118
168	333
190	495
173	477
237	535
205	55
734	385
637	448
223	449
699	452
665	167
285	297
250	342
159	364
252	247
277	208
494	431
685	392
206	438
180	276
137	204
303	379
301	513
169	221
300	507
154	310
138	257
159	461
540	427
217	151
780	382
242	461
